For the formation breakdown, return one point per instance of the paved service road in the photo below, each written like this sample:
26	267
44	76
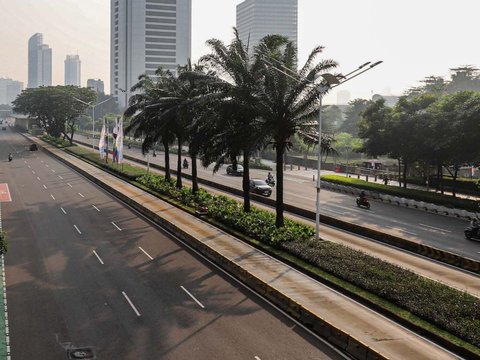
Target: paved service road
439	231
85	271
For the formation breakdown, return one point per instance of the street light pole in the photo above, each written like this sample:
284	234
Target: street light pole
93	116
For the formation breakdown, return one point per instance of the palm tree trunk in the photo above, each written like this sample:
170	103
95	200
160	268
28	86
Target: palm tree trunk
246	181
280	150
179	164
194	174
167	160
405	165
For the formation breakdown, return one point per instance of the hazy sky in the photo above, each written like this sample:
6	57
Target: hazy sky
414	38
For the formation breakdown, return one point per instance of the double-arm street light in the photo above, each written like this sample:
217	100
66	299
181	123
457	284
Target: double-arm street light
93	106
328	81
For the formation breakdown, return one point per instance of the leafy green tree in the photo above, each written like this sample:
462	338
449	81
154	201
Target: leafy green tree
353	116
55	107
332	118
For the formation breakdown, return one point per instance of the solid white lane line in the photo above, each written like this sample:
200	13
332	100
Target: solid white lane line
63	210
193	297
96	208
45	186
81	195
116	226
61	178
435	228
98	257
76	228
409	232
38	178
151	258
130	303
52	197
69	184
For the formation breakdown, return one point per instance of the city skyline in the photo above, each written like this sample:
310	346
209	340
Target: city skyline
352	33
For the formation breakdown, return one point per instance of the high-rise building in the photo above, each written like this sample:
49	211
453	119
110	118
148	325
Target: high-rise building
9	89
39	62
258	18
146	34
73	70
96	85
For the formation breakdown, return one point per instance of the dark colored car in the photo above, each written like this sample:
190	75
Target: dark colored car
235	172
4	127
260	187
33	147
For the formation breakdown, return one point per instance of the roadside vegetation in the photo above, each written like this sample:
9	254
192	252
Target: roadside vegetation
3	242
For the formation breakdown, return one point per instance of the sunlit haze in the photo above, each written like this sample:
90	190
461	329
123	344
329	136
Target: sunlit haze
414	38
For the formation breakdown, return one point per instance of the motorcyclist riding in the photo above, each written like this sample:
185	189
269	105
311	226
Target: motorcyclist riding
475	224
185	163
363	196
10	157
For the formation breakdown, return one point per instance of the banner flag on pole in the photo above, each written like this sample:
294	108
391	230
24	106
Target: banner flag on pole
101	143
119	141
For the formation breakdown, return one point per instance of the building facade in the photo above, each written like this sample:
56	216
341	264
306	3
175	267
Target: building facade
73	70
97	85
146	34
258	18
39	62
9	90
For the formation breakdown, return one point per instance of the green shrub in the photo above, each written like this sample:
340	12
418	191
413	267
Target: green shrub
58	142
3	242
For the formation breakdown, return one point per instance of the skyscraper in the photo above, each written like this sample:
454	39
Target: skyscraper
73	70
9	89
96	85
39	62
257	18
146	34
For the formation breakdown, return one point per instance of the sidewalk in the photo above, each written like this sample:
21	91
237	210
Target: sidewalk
344	322
4	336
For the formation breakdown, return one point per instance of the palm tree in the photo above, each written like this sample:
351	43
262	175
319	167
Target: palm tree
144	119
289	105
237	129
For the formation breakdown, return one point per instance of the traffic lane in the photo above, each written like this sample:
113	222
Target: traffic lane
174	271
69	297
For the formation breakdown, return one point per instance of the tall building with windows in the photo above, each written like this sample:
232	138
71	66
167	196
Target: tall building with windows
97	85
9	89
73	70
257	18
146	34
39	62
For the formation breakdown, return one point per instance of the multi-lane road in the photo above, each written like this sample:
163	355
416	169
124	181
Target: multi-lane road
86	271
439	231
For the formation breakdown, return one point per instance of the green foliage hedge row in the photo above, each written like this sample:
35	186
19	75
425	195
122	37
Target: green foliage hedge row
419	195
3	242
58	142
257	224
447	308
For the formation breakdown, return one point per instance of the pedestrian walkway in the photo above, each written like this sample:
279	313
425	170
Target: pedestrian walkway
277	281
4	335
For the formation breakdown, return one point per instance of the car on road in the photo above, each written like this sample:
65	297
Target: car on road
4	127
235	172
33	147
260	187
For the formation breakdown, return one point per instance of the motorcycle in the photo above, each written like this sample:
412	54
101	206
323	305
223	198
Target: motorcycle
363	201
270	181
472	233
185	164
10	157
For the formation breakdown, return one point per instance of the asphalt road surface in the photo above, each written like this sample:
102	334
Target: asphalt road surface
439	231
85	271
